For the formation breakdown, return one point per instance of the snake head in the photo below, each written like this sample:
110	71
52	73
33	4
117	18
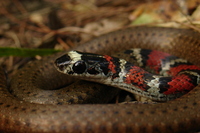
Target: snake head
75	63
84	64
71	63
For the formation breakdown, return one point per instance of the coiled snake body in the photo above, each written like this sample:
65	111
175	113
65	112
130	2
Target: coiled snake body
180	115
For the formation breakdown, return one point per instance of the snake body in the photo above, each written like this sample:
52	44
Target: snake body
180	115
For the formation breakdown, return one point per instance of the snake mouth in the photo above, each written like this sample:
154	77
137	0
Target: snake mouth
62	62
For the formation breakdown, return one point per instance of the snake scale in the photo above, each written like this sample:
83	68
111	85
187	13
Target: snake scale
180	115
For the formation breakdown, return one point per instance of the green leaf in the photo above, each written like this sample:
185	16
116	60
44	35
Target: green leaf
145	19
25	52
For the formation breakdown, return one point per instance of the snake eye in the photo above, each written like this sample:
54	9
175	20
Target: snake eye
79	67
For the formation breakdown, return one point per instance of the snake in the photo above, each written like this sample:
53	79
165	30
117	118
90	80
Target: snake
180	75
179	115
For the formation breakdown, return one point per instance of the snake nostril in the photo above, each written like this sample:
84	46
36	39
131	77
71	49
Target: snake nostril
62	61
60	67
